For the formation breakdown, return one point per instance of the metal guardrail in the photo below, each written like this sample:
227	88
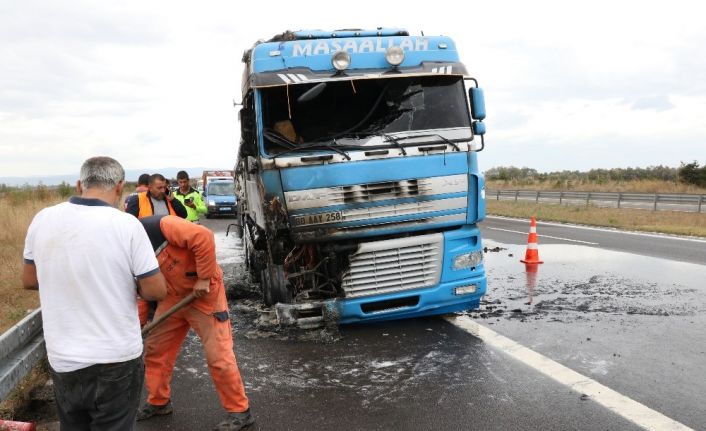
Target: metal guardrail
653	201
21	348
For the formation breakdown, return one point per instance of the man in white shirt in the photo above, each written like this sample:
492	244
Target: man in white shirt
89	262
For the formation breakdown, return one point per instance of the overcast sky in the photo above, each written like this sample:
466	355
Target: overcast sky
595	84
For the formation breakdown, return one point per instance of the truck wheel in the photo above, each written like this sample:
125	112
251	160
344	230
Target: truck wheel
274	285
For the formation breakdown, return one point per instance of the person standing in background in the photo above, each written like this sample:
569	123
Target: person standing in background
89	261
189	197
142	186
158	200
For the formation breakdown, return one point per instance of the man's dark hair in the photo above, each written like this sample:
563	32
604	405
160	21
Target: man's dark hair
143	180
182	175
155	177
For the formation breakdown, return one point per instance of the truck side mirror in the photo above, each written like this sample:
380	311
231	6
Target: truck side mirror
478	128
475	95
247	120
477	99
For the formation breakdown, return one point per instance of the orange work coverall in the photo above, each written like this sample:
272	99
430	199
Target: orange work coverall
191	253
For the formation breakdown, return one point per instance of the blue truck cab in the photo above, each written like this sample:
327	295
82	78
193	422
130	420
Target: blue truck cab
357	175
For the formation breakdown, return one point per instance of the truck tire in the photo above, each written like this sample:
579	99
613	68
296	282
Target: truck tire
274	285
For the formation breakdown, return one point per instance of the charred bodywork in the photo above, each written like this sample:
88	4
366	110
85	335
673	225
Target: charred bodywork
359	189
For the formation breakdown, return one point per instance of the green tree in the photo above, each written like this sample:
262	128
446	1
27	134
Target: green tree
691	173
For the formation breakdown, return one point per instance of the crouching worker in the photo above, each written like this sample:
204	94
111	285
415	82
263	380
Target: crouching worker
187	258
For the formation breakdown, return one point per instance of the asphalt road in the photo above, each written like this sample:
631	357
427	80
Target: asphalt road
514	231
627	312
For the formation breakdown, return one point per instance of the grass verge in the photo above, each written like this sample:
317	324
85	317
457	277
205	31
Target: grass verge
669	222
15	302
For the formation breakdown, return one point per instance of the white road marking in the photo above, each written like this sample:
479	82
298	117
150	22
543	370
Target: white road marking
542	236
630	409
604	229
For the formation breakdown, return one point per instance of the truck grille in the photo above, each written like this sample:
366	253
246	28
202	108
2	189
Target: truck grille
375	192
394	265
381	191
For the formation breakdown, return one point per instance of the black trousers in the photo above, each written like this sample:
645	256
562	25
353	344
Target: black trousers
102	397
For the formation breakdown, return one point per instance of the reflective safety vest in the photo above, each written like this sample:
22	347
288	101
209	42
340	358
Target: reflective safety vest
192	214
145	205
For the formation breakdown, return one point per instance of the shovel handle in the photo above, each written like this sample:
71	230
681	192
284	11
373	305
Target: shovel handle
178	306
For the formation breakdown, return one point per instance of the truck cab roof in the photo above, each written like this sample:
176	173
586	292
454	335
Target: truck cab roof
295	57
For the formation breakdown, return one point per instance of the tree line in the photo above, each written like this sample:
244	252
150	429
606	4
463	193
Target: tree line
692	173
688	173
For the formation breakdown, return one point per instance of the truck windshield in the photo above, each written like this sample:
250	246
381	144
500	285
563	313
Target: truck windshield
362	107
221	189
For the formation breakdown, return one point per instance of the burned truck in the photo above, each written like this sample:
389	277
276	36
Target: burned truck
357	176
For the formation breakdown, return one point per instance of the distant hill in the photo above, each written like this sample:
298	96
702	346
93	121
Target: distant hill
130	175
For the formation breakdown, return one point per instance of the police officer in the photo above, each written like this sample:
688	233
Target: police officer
190	197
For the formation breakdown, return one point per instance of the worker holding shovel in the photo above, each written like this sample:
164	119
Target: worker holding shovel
186	253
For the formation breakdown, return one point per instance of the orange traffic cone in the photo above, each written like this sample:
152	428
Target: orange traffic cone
532	253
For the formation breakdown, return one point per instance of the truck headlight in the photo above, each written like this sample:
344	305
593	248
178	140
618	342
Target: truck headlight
212	203
468	260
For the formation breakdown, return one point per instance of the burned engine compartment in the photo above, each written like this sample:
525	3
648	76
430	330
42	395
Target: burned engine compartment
311	271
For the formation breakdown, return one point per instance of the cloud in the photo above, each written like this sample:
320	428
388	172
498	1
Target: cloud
151	83
657	103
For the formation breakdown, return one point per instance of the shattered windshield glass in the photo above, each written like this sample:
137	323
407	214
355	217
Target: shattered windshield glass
300	115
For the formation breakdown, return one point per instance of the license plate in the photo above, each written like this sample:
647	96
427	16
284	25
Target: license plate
329	217
225	209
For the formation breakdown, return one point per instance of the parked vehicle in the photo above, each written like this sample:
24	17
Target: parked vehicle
219	195
357	175
214	174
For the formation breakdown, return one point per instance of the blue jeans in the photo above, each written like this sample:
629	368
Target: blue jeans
102	397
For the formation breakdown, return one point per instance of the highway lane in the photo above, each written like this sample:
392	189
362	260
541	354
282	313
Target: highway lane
627	322
514	231
426	373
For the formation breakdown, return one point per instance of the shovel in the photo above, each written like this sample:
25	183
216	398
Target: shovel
178	306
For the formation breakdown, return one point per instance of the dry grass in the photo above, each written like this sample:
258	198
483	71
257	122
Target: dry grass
20	397
671	222
17	213
17	209
641	186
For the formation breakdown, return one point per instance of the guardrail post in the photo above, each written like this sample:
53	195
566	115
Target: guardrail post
588	198
654	207
517	193
619	196
536	199
701	199
561	197
497	195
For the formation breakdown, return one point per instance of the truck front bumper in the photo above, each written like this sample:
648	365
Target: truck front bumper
443	298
